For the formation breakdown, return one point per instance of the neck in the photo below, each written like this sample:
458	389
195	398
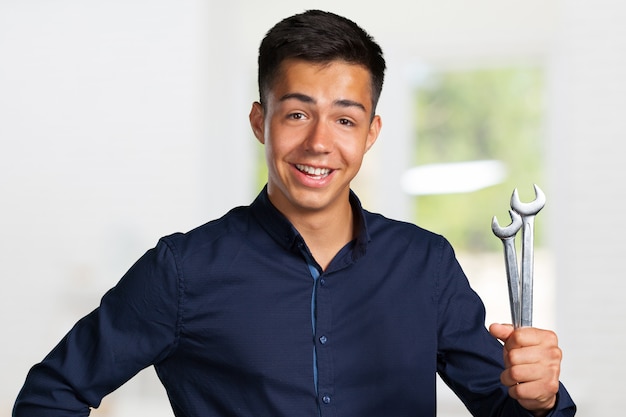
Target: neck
325	231
326	236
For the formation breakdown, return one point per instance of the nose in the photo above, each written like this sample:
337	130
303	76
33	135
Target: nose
319	138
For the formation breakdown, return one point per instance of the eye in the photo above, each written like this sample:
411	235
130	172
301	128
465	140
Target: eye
295	116
346	122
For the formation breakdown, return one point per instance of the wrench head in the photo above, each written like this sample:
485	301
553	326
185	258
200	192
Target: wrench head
528	209
510	230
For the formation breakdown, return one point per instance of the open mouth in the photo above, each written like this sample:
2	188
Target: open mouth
313	172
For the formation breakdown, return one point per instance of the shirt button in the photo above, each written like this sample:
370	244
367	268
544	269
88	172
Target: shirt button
323	340
322	282
326	399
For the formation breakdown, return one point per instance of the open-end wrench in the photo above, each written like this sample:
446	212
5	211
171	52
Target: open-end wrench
507	235
528	212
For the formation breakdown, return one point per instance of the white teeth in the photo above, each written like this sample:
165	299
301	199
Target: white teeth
318	172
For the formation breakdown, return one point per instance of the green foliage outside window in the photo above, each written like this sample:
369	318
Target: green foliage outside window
477	115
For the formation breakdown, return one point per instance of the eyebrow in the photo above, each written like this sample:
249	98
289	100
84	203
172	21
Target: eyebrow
308	99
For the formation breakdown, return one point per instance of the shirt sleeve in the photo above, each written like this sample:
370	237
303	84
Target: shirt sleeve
470	360
136	325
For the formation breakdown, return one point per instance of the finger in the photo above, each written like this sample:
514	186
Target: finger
524	373
501	331
534	386
543	355
530	336
537	391
545	372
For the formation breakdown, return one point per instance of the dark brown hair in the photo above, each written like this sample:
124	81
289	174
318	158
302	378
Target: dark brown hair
319	37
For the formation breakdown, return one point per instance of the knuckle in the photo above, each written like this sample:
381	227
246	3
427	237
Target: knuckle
515	356
556	353
516	374
553	354
552	337
553	386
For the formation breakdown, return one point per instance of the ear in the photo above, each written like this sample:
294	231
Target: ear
373	133
257	121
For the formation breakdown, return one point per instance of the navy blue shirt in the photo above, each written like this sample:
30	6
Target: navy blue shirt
238	320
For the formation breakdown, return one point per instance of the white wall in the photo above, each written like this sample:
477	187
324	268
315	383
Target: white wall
124	121
587	165
117	125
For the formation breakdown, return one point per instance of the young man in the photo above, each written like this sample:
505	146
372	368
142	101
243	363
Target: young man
303	303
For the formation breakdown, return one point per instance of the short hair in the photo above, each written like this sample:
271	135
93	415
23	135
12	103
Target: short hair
319	37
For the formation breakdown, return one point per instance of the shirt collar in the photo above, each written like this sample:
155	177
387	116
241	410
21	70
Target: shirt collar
283	232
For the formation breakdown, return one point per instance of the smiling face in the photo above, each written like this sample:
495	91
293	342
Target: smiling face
316	127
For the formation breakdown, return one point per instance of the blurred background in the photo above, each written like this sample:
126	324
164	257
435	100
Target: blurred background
124	121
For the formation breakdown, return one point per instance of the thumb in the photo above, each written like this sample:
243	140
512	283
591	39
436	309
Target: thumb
501	331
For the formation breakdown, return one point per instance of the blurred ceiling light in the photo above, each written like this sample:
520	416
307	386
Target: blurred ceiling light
452	178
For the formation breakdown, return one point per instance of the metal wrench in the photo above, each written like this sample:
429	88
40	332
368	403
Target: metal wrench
507	235
527	212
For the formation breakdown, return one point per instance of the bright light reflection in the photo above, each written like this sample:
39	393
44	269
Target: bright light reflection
453	178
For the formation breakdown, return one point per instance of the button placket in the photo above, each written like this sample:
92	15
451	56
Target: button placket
324	351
